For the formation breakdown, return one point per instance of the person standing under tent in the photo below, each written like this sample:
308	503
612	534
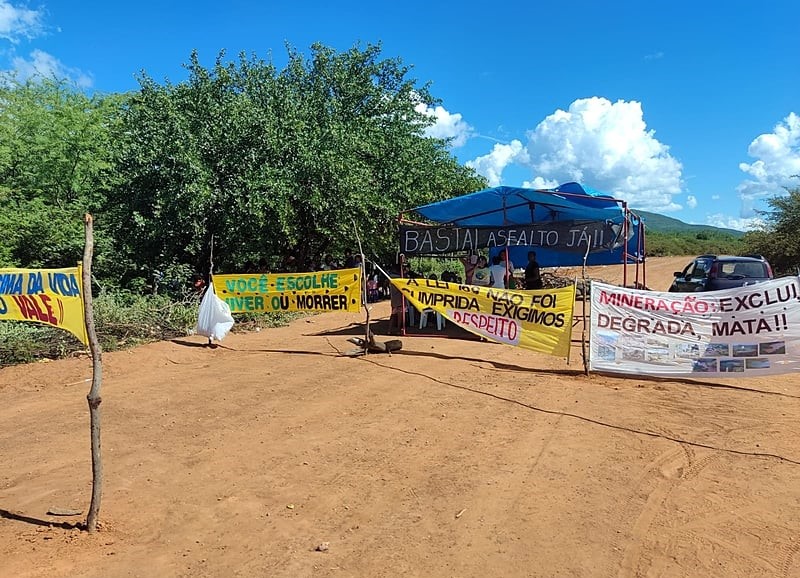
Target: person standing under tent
470	263
481	276
499	272
399	305
533	276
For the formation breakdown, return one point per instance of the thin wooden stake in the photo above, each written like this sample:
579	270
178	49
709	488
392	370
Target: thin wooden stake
364	294
210	275
93	397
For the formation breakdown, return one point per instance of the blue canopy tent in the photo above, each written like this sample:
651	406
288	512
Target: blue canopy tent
559	224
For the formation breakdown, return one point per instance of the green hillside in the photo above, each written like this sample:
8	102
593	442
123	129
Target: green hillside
661	224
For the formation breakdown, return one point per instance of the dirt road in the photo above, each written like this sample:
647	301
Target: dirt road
272	455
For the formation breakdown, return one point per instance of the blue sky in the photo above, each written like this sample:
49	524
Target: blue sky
689	109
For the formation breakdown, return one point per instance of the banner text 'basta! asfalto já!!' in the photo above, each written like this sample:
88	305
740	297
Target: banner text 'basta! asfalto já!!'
573	236
338	290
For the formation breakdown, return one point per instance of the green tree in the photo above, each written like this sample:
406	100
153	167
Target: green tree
56	163
777	239
271	161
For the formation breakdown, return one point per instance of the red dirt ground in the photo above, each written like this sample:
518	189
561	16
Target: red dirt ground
448	458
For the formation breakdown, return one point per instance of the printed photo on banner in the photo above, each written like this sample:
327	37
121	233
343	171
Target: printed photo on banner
538	320
338	290
746	331
49	296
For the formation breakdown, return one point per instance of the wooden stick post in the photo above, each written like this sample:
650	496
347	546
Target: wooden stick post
210	276
93	397
364	293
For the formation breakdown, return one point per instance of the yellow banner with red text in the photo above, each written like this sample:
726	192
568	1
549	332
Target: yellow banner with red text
539	320
50	296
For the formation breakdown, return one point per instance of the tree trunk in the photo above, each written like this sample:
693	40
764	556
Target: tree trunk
93	397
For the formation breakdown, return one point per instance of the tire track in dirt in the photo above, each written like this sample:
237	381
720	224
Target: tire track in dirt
699	464
725	541
659	538
660	478
787	562
666	470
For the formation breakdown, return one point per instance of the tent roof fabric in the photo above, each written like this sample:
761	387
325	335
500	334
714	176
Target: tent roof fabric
518	207
500	206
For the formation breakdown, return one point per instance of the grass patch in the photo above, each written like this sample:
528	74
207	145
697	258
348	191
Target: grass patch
122	320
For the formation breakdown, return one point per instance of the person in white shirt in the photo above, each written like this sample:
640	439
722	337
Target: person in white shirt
498	270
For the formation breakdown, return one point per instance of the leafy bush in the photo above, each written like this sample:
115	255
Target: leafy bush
22	342
426	266
122	319
679	243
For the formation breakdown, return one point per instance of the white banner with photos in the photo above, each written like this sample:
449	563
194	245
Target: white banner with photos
742	332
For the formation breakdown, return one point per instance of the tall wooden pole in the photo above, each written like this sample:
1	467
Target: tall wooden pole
93	397
364	293
210	287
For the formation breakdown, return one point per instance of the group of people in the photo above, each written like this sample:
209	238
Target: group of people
349	261
500	274
477	271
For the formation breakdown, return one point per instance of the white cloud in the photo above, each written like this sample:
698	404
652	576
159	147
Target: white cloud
20	23
446	126
691	201
540	183
44	65
491	166
715	197
604	144
17	22
729	222
777	157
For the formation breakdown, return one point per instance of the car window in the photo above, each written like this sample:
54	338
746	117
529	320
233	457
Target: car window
700	268
750	270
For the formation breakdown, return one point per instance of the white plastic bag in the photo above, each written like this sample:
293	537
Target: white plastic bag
214	319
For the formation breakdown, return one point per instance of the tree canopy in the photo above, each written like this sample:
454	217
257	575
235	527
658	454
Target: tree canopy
266	161
272	161
778	240
56	163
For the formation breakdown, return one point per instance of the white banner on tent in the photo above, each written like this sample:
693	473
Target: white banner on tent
743	332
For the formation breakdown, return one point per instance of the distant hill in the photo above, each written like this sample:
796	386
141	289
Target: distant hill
662	224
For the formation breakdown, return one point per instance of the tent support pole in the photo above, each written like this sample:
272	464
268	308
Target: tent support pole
624	244
583	327
643	252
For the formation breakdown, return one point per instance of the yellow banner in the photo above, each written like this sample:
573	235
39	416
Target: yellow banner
539	320
319	291
50	296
